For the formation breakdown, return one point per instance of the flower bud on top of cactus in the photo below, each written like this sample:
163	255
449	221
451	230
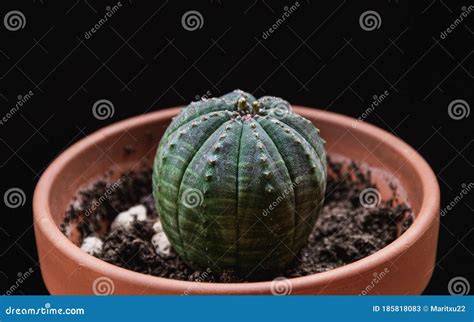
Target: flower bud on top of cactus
239	183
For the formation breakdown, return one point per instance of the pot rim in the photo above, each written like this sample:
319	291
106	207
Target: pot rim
44	222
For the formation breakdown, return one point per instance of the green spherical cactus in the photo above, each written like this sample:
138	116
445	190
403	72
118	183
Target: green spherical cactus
239	183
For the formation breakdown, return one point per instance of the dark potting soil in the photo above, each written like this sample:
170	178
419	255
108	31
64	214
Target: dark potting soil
345	231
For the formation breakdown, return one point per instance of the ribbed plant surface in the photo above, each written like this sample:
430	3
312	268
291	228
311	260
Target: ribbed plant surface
239	183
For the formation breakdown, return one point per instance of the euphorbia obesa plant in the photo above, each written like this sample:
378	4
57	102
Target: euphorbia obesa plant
239	183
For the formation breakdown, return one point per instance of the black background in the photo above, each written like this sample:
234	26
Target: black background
143	59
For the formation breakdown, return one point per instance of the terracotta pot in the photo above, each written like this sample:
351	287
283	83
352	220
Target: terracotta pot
403	267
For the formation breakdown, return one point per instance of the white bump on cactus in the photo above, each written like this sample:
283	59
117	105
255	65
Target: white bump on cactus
92	245
124	219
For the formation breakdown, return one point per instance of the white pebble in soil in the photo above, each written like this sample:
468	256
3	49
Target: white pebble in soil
157	227
160	241
92	245
162	244
124	219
